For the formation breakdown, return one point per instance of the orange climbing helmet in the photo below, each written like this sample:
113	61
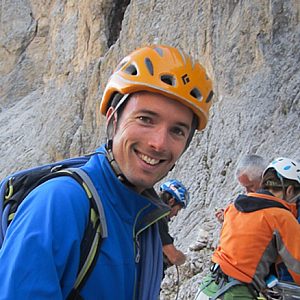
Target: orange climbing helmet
164	70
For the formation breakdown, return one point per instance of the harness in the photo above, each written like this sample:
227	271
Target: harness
225	282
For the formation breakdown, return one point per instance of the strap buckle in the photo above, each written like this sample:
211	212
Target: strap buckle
214	268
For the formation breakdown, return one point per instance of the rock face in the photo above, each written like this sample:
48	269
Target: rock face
56	56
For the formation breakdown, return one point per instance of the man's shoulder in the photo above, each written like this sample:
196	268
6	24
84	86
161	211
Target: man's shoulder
163	226
62	193
166	238
163	222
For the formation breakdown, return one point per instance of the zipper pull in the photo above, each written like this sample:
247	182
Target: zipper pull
138	254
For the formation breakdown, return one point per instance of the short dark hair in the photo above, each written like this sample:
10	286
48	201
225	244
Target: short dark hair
272	181
165	197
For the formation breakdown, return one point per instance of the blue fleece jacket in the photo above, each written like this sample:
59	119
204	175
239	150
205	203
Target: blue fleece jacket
40	255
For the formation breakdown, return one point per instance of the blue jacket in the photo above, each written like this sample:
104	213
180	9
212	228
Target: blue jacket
40	255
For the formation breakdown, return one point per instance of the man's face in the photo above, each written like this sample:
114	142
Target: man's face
251	186
174	210
149	137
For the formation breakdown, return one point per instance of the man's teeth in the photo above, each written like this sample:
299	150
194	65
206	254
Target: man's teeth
149	160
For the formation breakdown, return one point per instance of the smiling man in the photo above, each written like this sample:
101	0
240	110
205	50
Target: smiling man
150	138
154	101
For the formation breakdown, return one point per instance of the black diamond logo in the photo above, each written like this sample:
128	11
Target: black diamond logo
185	79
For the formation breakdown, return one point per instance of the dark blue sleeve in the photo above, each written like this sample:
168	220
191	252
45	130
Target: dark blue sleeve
40	255
166	238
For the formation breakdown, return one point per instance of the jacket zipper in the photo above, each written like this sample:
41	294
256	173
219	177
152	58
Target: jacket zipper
137	246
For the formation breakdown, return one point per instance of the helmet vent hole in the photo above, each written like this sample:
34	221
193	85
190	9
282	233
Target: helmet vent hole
149	65
196	94
209	97
131	70
168	79
120	66
159	51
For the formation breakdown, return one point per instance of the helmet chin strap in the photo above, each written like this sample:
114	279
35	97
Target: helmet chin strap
115	166
282	186
109	145
294	199
120	102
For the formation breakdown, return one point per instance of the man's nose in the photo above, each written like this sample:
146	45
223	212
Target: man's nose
159	139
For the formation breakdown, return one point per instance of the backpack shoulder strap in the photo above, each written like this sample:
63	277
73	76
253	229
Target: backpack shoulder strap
89	186
95	231
225	288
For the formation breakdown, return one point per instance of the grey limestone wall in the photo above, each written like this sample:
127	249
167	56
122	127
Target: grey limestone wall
56	56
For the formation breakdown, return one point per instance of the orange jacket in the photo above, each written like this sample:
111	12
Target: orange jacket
255	234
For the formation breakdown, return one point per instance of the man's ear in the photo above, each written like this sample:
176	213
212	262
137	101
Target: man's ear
290	191
111	121
172	201
109	114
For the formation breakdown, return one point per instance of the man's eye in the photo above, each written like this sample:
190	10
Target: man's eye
179	131
144	119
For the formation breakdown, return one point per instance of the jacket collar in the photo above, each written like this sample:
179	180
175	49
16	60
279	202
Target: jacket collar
261	200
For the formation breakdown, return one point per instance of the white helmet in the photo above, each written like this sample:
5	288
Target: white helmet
286	167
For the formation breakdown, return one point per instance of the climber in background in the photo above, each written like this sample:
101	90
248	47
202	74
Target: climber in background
249	174
175	195
258	229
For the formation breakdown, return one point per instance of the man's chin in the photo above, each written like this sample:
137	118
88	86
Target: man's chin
142	185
